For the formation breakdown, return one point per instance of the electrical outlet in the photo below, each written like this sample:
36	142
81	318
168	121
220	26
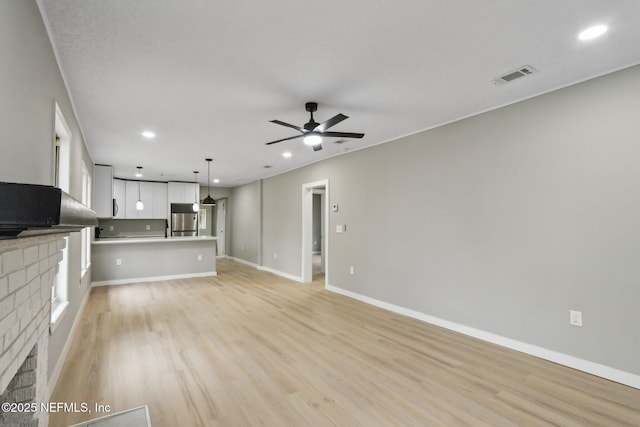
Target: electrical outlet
111	228
199	257
575	318
148	227
352	270
118	261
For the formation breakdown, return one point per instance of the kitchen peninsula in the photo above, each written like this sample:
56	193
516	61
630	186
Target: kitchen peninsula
117	261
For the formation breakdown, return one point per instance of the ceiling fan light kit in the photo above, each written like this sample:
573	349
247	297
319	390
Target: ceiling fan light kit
312	139
313	132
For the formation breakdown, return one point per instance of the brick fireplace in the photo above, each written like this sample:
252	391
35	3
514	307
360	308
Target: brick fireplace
28	268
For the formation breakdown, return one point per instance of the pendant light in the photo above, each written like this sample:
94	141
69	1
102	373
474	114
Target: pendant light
209	201
139	204
195	204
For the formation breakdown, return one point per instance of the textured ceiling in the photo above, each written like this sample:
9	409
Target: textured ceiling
207	76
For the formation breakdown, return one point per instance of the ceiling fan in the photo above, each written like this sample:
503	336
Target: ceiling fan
312	132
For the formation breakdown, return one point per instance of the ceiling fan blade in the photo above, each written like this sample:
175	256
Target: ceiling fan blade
284	139
342	134
331	122
298	128
317	147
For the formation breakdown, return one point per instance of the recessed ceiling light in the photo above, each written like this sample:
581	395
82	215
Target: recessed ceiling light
216	181
592	32
148	134
287	154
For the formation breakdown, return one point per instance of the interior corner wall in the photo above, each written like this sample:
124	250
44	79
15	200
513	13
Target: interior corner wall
245	211
30	83
502	222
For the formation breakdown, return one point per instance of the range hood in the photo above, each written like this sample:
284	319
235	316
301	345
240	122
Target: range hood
30	210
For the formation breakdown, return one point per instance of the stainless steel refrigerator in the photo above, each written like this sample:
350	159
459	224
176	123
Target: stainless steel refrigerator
184	224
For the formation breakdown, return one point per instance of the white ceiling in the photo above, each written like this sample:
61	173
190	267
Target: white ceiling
207	76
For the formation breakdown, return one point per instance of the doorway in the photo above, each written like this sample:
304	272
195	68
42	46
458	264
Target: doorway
317	238
221	220
315	226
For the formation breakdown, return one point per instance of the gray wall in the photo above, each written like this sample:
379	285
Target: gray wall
30	82
244	240
503	222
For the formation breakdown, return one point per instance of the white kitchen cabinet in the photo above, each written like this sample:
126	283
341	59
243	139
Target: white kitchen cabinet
183	192
103	191
160	200
192	193
176	192
120	200
146	196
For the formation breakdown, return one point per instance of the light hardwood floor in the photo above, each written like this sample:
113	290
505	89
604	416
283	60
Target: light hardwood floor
248	348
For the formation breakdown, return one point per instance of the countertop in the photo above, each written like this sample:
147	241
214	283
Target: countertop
134	240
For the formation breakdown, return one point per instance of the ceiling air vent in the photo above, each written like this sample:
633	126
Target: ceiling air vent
515	74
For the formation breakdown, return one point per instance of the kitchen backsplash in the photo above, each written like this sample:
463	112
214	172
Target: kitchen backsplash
132	227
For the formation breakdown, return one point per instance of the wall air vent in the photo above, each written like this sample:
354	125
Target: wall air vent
515	74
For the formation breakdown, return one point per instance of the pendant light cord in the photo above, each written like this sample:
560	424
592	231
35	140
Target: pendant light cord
208	177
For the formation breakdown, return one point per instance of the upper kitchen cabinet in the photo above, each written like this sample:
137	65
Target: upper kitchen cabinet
119	199
103	191
153	196
145	194
123	197
160	200
184	192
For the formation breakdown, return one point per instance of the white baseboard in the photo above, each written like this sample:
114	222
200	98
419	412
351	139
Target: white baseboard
622	377
281	274
57	369
242	261
267	269
153	279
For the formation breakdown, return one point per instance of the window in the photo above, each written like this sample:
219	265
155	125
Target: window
62	173
59	299
85	256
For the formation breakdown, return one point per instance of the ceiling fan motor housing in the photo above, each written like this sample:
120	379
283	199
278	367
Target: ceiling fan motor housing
311	107
315	129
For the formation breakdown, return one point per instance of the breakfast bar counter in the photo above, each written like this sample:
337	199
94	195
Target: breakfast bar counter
117	261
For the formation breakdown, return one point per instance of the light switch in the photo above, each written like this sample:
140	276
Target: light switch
341	228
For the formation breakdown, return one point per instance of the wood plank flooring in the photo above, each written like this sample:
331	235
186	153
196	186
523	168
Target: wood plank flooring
248	348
